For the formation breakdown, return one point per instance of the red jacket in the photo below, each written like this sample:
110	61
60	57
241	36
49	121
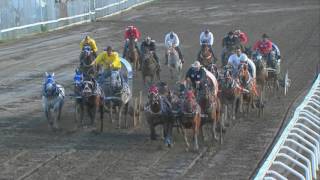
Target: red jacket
243	38
263	47
132	33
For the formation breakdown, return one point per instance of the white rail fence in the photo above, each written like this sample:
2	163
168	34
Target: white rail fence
19	18
296	154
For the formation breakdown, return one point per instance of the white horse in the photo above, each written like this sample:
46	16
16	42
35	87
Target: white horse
174	62
52	100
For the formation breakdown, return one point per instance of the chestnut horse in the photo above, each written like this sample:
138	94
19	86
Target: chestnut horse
210	105
190	117
248	88
261	78
132	54
229	93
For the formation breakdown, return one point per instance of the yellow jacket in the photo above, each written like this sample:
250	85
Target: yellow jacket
106	61
91	42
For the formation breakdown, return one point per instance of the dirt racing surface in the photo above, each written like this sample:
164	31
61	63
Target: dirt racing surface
29	150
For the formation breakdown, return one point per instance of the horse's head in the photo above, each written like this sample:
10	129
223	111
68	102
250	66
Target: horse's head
153	95
78	80
227	77
50	86
258	61
171	50
190	101
244	74
115	80
86	55
88	88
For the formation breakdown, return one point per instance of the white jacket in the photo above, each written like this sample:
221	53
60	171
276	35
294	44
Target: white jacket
234	60
208	38
175	41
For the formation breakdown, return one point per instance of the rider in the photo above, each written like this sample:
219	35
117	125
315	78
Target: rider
206	38
131	32
264	47
242	36
195	74
110	60
150	44
173	39
88	41
229	43
236	59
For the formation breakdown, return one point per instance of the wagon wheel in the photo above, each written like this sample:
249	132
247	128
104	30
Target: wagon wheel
286	83
136	110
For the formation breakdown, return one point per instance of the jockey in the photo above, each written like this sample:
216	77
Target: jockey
242	37
88	41
195	74
131	32
206	38
235	61
264	47
229	43
151	45
172	39
110	60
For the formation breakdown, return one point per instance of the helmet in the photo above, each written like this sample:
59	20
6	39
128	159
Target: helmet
243	59
230	33
207	31
196	64
148	39
130	27
237	31
265	35
171	34
153	89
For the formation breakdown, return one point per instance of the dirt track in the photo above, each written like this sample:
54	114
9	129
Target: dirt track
28	150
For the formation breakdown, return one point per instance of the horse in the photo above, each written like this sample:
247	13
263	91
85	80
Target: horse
132	54
118	95
206	57
247	83
189	117
89	96
174	62
211	106
261	78
52	100
86	58
149	66
230	93
159	112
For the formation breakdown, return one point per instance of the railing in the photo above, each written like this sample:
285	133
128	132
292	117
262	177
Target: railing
20	17
296	154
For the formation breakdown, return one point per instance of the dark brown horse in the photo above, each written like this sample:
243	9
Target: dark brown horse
132	54
159	112
206	57
210	106
91	98
149	67
86	58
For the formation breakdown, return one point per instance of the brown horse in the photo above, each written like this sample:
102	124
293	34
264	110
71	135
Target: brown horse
211	106
190	118
159	112
248	85
206	57
86	58
149	67
91	99
261	78
132	54
229	93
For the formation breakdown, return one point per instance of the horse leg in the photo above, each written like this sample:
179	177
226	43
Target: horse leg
55	118
168	133
195	129
152	131
111	112
48	116
241	103
214	125
126	110
60	109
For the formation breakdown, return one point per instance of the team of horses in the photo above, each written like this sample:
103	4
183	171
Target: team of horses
183	107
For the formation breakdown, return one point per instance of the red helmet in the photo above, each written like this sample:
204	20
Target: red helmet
153	89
